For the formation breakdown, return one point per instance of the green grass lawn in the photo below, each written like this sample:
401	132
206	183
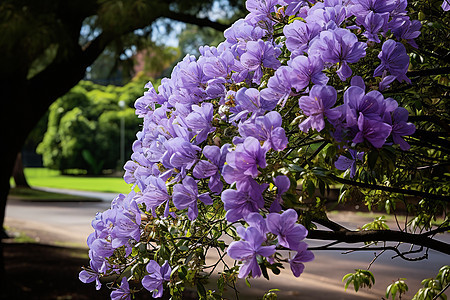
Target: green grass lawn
51	178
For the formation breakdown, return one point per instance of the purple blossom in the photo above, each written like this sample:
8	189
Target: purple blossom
268	129
126	226
248	249
156	277
408	30
303	255
371	105
361	8
219	66
394	60
205	169
246	101
306	70
240	203
339	46
298	35
374	131
123	292
446	5
374	23
400	127
260	54
200	119
247	157
257	221
330	16
289	233
186	195
155	194
345	163
93	273
278	88
240	33
294	6
282	183
179	154
317	106
260	10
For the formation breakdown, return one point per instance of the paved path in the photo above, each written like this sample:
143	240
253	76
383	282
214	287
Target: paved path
69	224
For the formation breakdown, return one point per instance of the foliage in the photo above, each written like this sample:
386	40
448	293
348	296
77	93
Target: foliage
84	127
361	278
433	288
244	142
398	286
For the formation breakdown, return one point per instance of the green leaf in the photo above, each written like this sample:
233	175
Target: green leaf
201	290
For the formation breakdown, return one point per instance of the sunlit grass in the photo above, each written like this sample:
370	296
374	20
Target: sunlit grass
42	177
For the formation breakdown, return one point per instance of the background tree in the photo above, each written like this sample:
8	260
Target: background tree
63	39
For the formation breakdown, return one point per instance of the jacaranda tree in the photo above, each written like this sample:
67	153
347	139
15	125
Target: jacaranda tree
239	146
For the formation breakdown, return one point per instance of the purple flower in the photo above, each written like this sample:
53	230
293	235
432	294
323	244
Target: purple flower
400	127
239	203
298	34
156	277
282	183
247	157
362	8
303	255
93	273
374	23
446	5
339	46
205	169
408	30
345	163
278	88
259	54
240	33
318	105
219	66
179	153
290	234
260	10
123	292
257	221
127	226
186	195
200	119
327	17
374	131
248	249
371	105
268	129
305	70
394	60
217	157
155	194
246	101
293	6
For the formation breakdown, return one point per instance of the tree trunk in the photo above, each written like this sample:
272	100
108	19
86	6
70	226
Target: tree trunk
18	174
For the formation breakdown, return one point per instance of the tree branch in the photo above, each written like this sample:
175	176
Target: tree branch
382	236
190	19
427	72
390	189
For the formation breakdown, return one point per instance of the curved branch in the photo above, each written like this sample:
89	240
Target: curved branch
190	19
390	189
382	236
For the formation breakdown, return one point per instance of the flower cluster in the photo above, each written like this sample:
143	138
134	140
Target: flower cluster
215	133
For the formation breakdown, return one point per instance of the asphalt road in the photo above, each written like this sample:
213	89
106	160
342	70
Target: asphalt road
69	224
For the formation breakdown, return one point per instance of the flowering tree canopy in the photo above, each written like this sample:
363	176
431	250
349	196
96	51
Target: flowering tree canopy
240	145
